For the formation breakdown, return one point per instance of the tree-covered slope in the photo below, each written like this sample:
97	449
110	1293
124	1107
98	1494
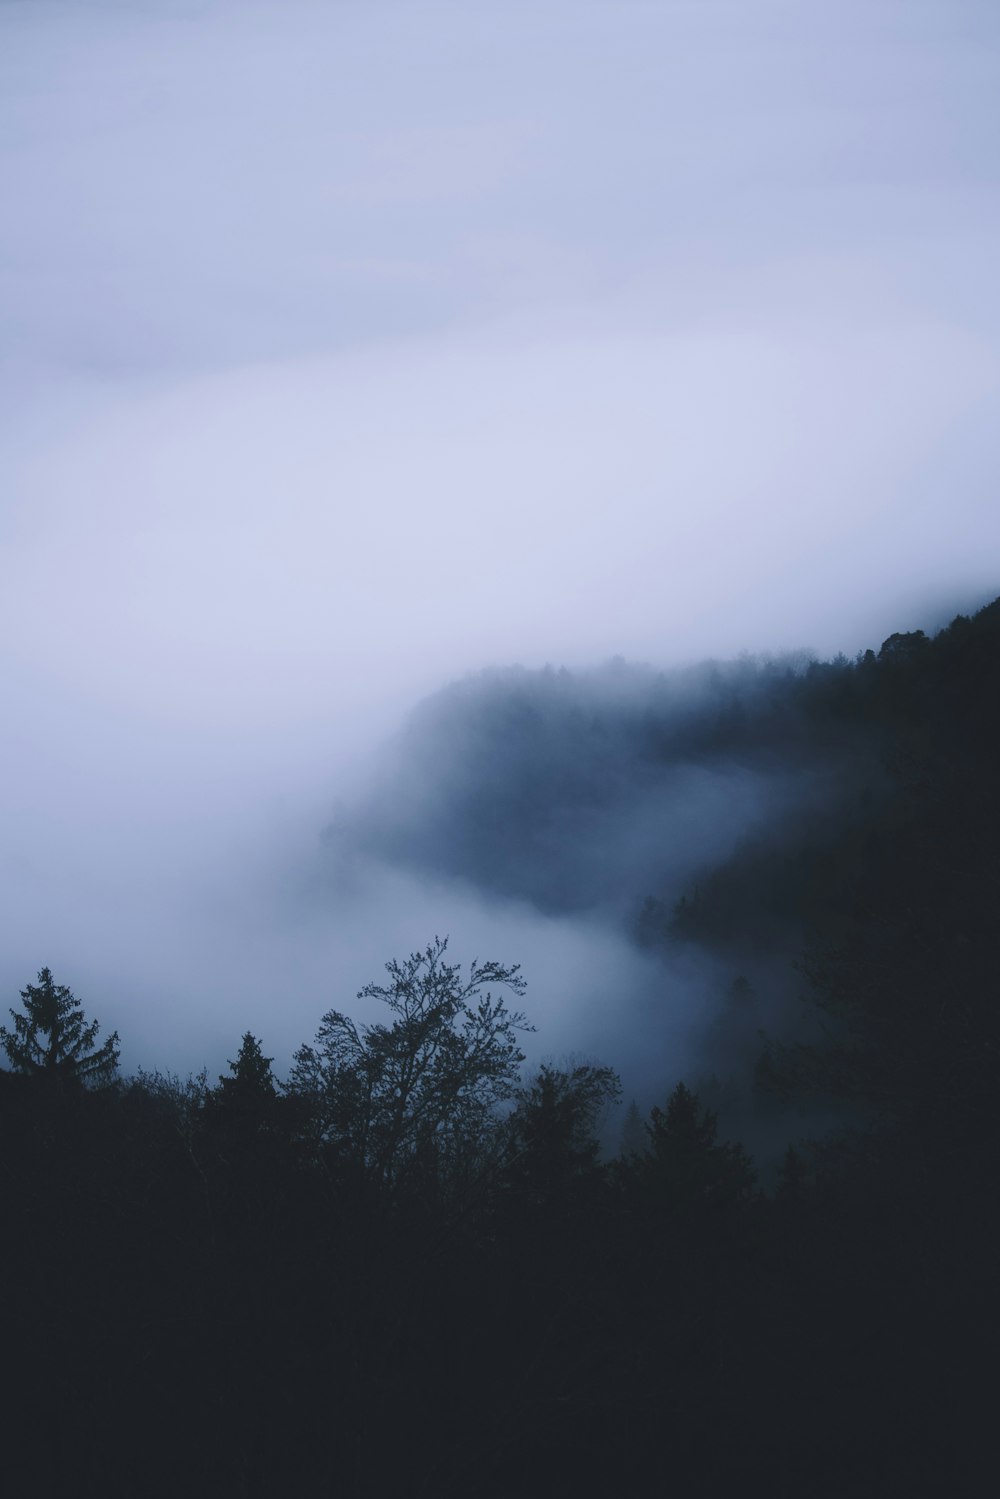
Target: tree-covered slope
752	789
766	814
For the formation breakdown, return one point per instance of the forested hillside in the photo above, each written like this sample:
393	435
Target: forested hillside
410	1266
581	791
764	812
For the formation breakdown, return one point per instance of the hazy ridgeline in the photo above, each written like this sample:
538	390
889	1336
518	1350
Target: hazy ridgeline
706	822
660	851
657	850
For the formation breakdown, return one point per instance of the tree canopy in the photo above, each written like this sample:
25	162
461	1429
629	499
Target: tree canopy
425	1085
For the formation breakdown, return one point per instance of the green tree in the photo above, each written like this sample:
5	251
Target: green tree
53	1039
424	1088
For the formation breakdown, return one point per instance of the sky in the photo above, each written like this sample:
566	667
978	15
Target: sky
349	347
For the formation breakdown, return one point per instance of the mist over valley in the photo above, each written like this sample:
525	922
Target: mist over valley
498	828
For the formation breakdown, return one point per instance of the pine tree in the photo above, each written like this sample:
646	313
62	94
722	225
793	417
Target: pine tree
53	1038
685	1163
252	1077
249	1099
553	1129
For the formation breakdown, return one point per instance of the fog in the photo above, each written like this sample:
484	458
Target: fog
351	348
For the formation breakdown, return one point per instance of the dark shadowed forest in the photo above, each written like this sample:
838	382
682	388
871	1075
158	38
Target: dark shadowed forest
415	1266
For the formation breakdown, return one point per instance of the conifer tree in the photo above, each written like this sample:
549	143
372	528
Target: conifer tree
249	1098
553	1129
684	1160
252	1077
52	1038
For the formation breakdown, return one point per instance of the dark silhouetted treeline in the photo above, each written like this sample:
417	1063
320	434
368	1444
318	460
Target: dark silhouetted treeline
409	1268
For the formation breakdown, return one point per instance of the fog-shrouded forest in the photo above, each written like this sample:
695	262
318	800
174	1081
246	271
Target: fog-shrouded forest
748	1243
499	829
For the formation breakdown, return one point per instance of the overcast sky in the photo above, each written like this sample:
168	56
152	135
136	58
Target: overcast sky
345	347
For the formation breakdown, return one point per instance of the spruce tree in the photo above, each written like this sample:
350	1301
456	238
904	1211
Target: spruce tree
53	1039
